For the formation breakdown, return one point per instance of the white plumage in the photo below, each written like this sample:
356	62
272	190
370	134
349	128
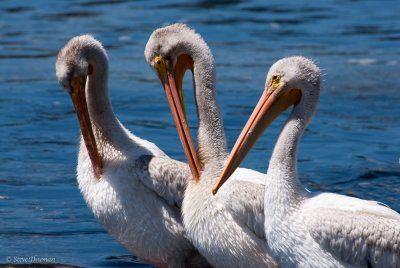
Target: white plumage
304	229
133	189
228	228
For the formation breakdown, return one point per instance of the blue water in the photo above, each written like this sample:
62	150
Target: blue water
352	147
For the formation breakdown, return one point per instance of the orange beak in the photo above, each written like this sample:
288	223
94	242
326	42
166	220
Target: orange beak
270	105
175	101
78	97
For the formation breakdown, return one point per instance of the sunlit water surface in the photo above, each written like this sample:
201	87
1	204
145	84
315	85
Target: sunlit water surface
352	146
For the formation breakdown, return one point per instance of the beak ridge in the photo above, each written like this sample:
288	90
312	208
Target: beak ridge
182	126
270	105
78	97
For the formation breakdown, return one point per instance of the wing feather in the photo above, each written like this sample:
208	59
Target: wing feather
354	230
244	197
164	176
243	193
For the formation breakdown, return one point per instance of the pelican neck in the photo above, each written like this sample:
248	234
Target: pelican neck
107	128
211	135
282	184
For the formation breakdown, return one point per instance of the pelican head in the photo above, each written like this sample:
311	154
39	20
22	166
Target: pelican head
171	51
74	65
175	48
75	60
292	81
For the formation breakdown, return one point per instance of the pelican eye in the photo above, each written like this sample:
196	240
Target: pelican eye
160	66
158	60
275	80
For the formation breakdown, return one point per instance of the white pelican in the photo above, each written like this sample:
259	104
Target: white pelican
134	190
304	229
226	229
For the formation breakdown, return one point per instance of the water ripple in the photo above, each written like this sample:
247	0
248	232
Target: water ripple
378	174
18	9
27	56
151	124
285	10
50	234
202	4
102	3
72	14
351	147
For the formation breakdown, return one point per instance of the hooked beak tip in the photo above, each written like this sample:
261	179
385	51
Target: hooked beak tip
214	190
